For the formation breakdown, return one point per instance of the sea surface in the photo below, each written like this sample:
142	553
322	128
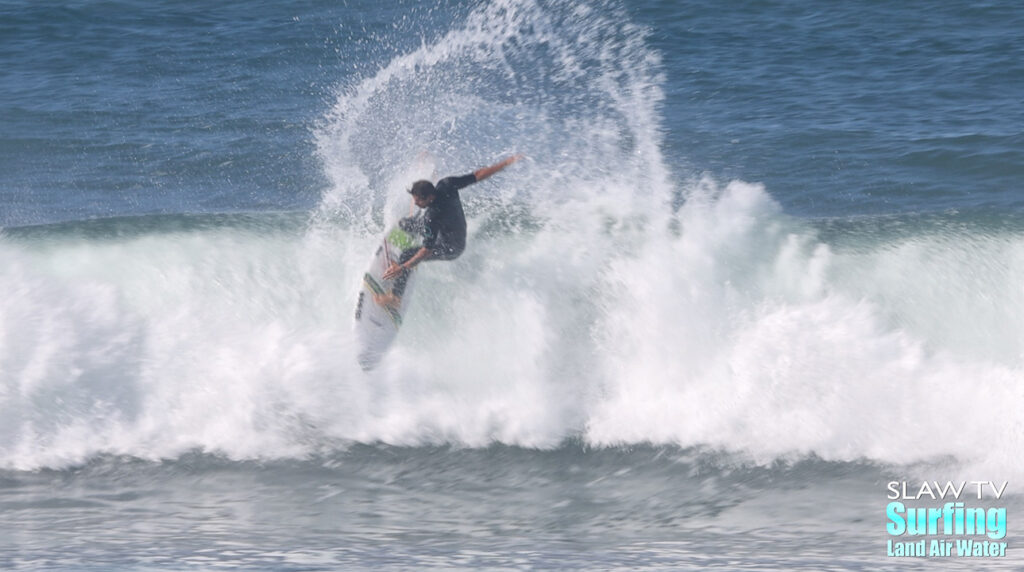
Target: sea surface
762	259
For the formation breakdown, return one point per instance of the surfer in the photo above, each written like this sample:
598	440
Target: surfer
443	226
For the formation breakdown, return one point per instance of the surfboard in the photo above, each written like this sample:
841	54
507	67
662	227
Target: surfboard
377	326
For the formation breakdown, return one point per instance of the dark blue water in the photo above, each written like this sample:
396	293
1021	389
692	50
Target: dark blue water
761	259
858	108
127	108
115	108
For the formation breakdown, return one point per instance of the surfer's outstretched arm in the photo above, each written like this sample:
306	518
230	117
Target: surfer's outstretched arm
484	172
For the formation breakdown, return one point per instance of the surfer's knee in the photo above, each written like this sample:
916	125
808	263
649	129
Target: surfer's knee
446	253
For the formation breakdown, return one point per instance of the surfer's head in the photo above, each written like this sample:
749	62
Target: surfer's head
423	193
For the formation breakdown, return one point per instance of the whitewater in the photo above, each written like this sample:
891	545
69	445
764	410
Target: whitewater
615	303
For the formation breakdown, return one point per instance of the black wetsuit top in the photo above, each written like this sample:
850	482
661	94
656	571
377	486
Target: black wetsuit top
444	222
444	227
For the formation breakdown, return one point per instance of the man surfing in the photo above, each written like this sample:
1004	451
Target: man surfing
443	226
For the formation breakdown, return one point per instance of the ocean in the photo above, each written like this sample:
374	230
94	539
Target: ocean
753	297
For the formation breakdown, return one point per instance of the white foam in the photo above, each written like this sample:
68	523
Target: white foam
585	306
761	339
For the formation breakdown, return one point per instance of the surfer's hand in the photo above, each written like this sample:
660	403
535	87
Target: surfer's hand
392	272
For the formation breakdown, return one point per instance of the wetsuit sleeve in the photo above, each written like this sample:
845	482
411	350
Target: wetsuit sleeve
449	185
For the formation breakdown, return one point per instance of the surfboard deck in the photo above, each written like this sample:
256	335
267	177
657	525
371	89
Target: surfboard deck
377	326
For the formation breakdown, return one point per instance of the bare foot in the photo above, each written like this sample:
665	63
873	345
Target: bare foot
387	300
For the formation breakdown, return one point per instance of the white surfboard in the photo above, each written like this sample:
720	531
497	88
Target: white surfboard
376	326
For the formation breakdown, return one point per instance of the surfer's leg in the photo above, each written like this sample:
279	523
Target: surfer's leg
412	224
387	300
445	252
394	299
